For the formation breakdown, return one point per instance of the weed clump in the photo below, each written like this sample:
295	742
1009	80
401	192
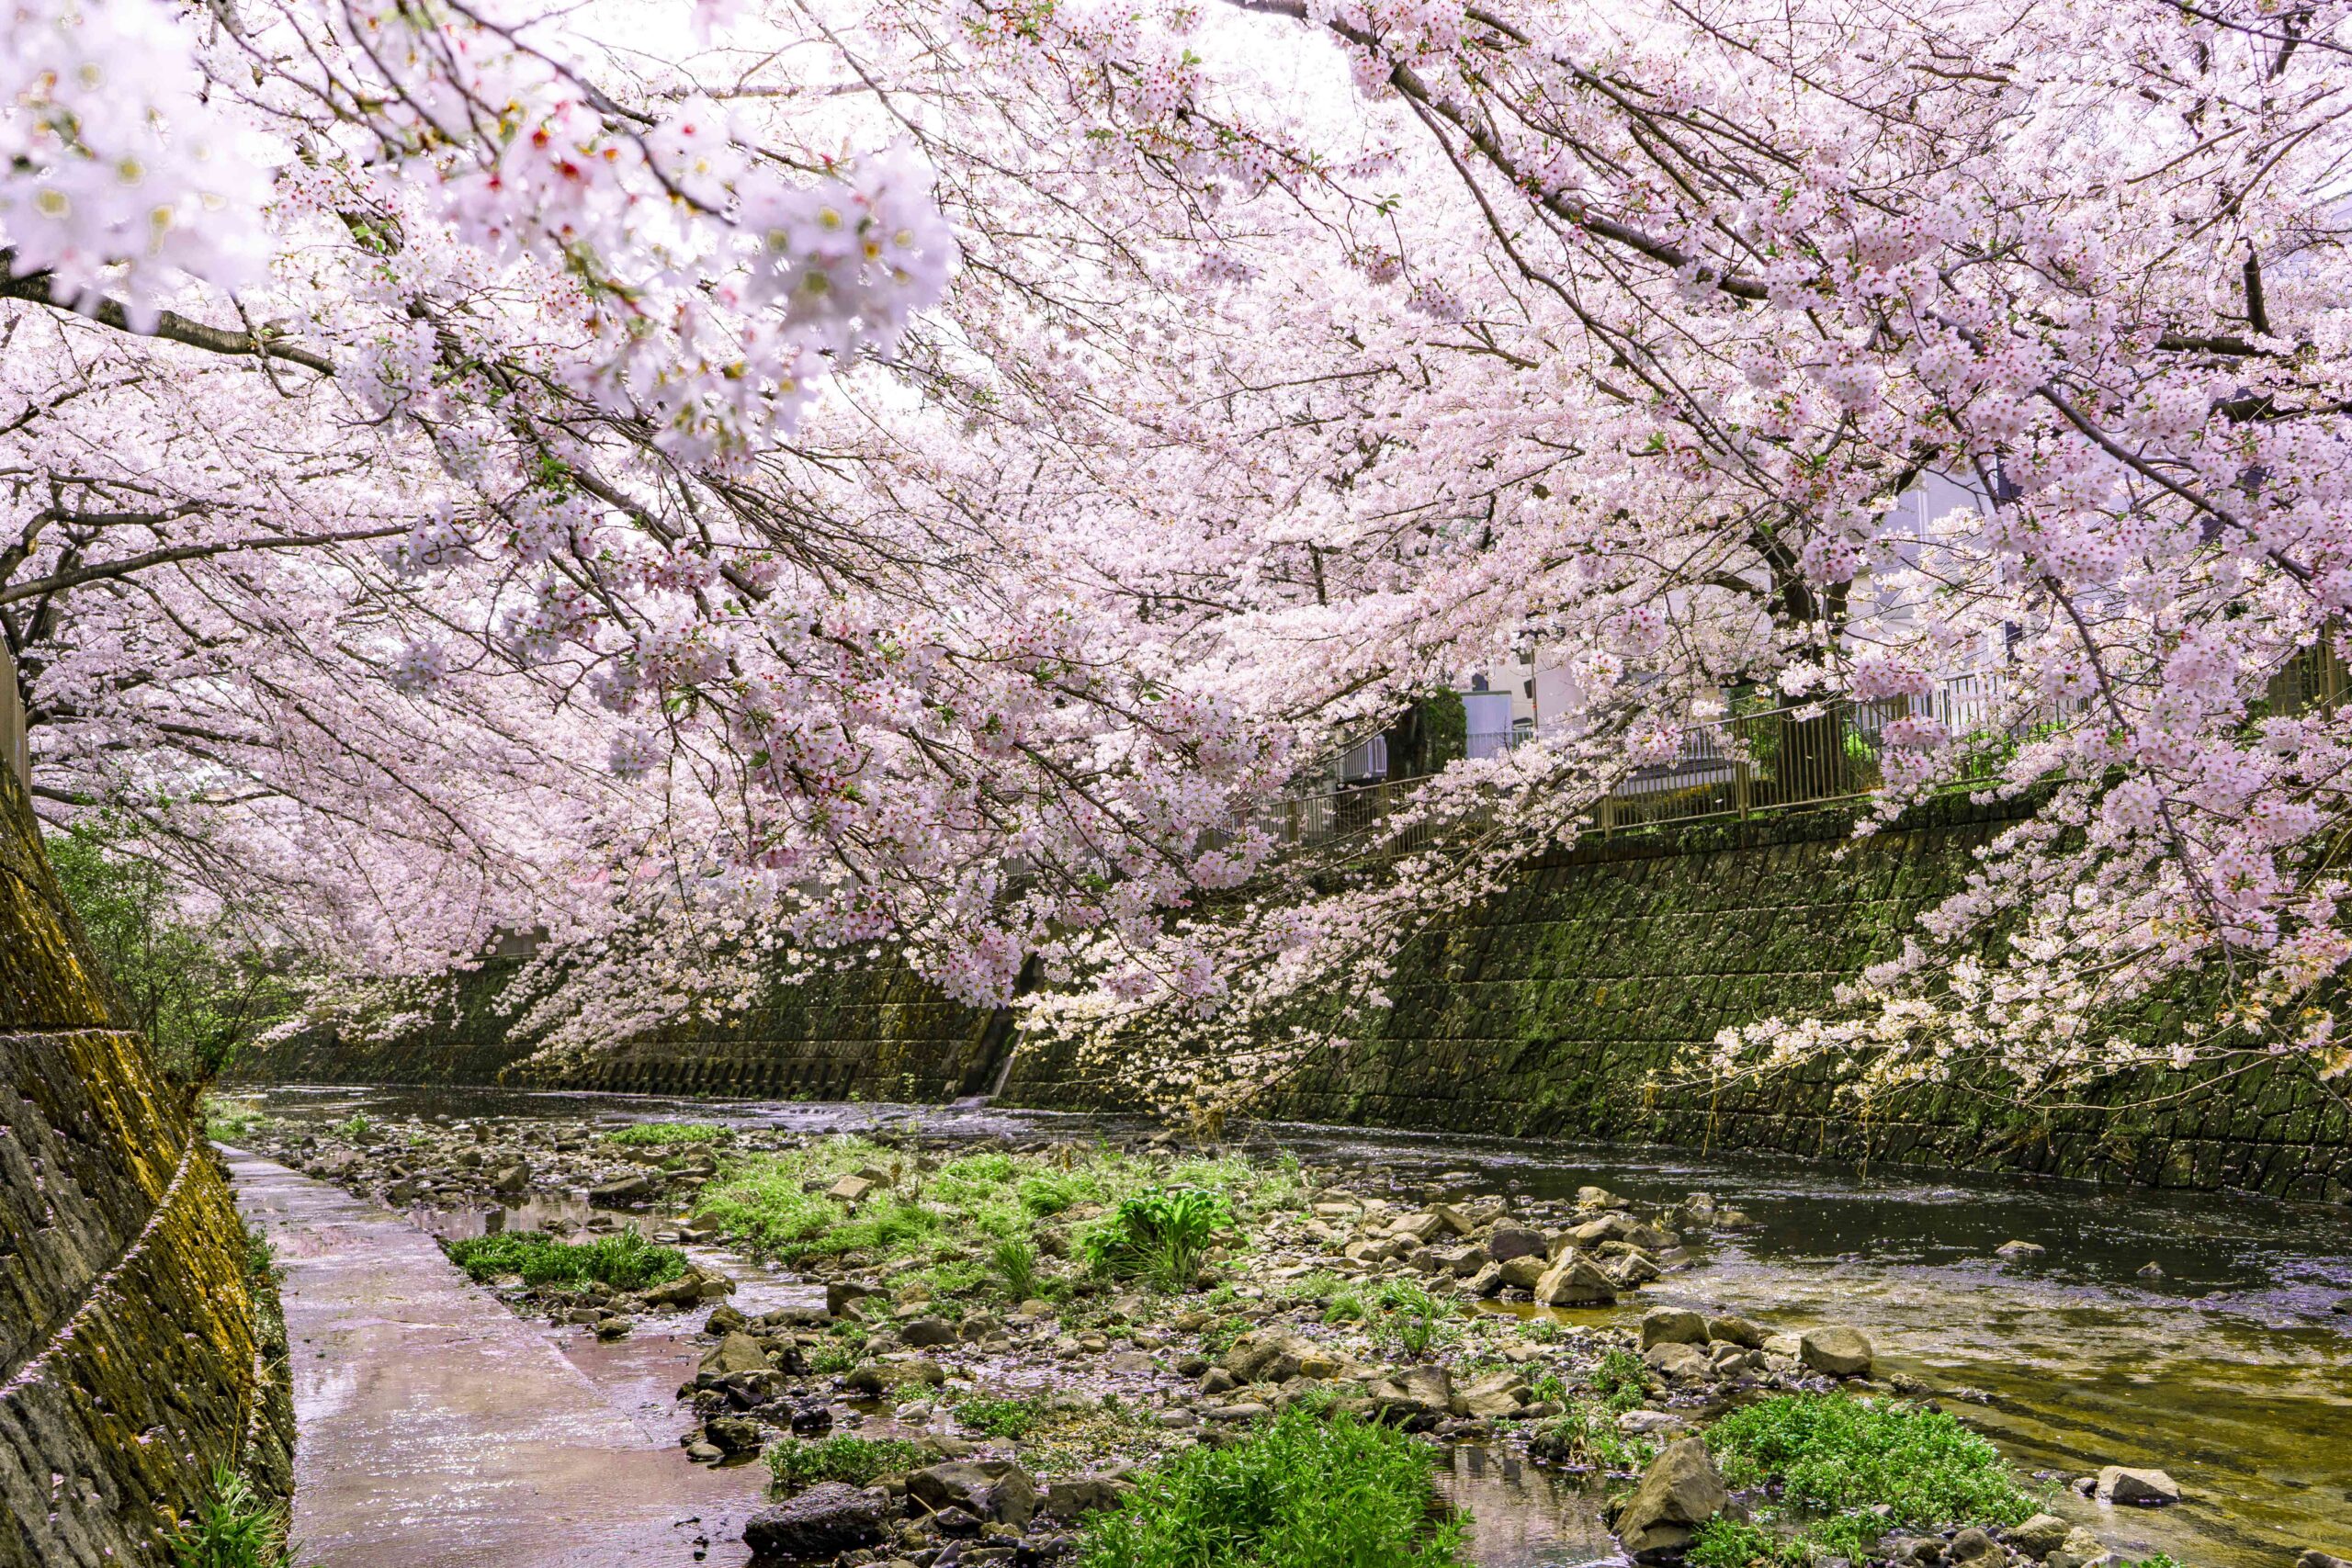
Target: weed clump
1585	1434
860	1461
232	1528
1856	1468
997	1417
1163	1234
1295	1493
623	1261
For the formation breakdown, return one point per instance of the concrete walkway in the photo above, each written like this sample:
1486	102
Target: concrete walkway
438	1430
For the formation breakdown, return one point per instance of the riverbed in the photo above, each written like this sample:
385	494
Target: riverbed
2209	1336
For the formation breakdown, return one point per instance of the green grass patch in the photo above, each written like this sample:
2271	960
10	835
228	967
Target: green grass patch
623	1260
1859	1467
232	1528
973	1203
664	1135
860	1461
999	1416
232	1120
1297	1493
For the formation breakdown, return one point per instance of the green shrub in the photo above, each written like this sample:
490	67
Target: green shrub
1163	1234
1297	1493
232	1528
842	1348
1867	1466
860	1461
1726	1542
664	1135
1000	1416
232	1120
199	988
623	1260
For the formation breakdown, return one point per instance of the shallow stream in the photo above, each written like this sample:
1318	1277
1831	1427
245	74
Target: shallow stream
2231	1369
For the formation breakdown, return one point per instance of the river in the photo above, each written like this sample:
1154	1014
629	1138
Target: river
2229	1364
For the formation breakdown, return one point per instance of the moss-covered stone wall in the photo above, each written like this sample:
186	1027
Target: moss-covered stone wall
137	1356
874	1032
1545	1013
1548	1012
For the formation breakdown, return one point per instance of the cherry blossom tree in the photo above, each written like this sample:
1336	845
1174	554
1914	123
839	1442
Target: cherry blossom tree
737	483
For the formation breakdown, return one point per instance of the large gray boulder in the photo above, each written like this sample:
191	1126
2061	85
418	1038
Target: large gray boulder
1275	1356
738	1353
1575	1280
990	1489
1673	1326
2147	1488
828	1519
1680	1492
1514	1241
1841	1352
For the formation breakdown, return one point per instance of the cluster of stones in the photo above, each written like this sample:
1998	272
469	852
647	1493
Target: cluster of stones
1176	1369
478	1163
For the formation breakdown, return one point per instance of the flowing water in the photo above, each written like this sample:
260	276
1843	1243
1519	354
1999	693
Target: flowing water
2231	1369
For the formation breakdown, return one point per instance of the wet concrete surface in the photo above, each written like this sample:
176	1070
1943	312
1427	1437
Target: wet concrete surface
439	1430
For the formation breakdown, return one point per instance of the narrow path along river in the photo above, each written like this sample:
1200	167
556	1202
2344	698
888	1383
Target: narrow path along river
2230	1367
436	1427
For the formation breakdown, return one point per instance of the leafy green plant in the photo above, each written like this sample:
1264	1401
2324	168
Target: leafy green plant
860	1461
1867	1465
1726	1542
623	1260
1404	1314
1002	1417
842	1348
232	1528
232	1120
1586	1434
1015	1259
1297	1493
1163	1234
664	1135
1548	1386
261	1257
356	1127
1344	1306
1621	1380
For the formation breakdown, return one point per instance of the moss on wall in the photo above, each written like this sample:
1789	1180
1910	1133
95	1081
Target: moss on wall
1549	1011
1543	1014
136	1354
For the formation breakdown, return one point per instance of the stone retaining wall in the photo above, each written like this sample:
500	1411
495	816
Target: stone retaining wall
879	1032
1546	1014
137	1357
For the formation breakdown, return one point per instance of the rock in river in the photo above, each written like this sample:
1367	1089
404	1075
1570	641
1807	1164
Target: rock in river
1680	1492
991	1489
829	1517
1672	1326
1841	1352
2149	1488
